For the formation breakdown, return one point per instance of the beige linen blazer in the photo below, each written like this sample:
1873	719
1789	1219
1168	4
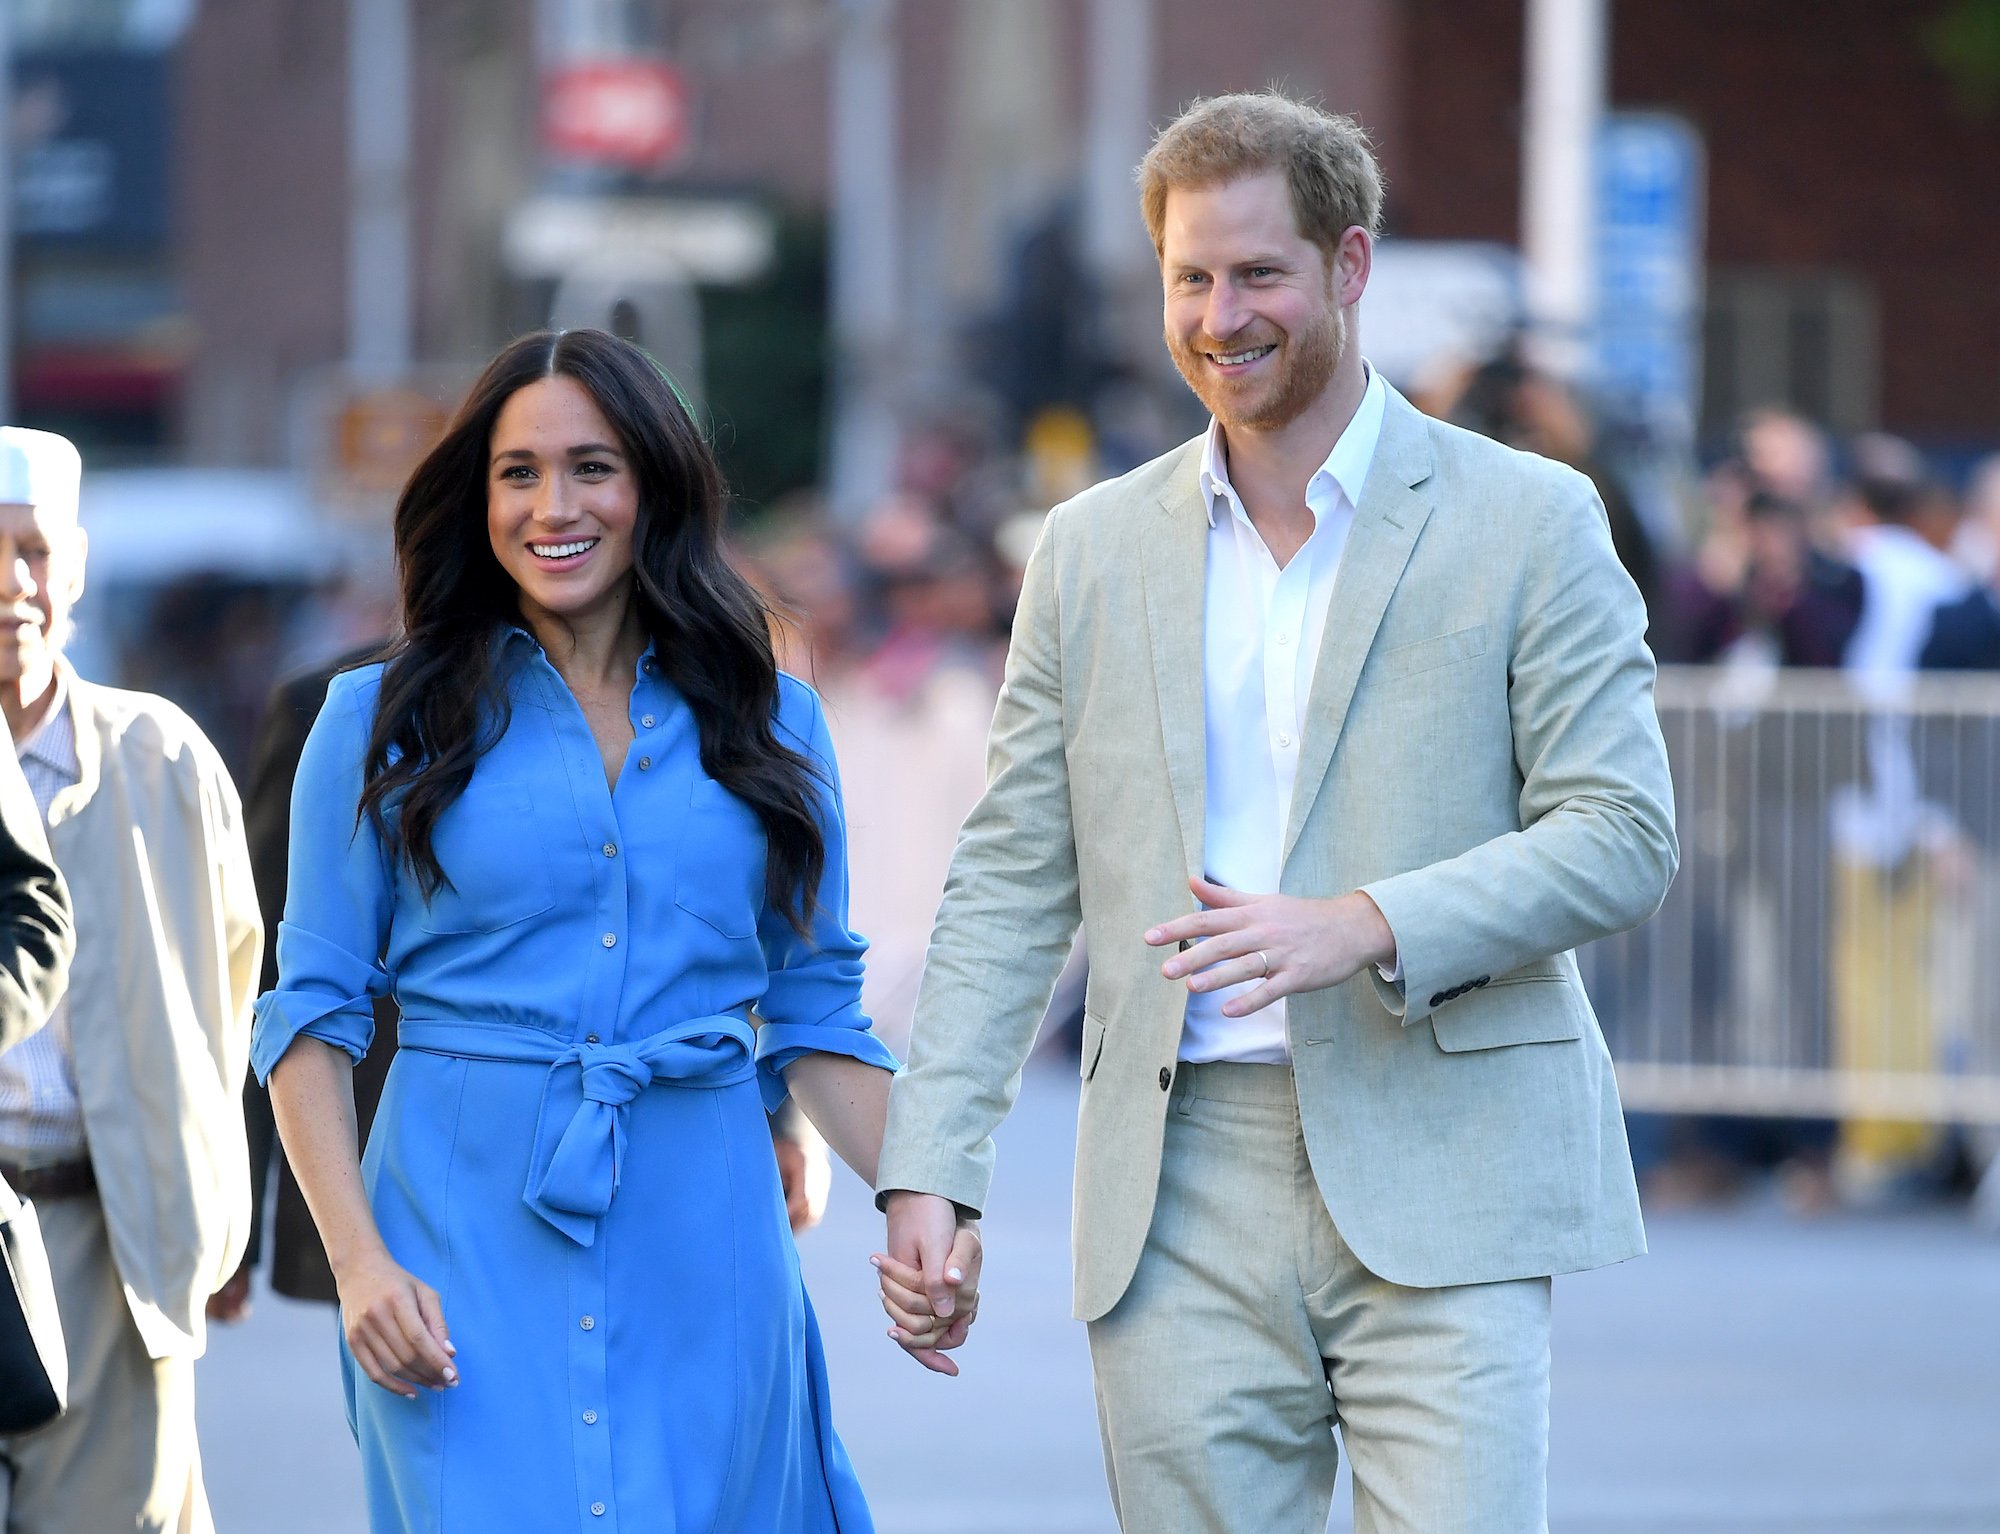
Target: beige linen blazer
168	942
1481	755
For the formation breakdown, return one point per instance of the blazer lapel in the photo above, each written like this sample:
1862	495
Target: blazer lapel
1386	524
1174	569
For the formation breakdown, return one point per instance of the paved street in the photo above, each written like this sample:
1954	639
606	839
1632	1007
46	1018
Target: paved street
1755	1375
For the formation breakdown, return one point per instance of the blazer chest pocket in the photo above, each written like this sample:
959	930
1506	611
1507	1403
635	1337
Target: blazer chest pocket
490	846
1532	1009
1430	654
720	874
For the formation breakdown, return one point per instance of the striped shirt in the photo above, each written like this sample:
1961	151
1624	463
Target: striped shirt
41	1116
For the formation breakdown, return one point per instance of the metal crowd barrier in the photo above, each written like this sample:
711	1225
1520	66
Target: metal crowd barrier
1831	947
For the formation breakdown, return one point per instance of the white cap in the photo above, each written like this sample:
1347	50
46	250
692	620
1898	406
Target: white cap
38	468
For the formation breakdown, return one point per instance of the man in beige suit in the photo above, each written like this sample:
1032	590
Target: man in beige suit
1333	729
122	1118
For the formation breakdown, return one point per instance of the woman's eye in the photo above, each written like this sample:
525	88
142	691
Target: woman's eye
517	473
594	469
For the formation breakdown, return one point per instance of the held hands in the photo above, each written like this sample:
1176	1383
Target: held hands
395	1327
930	1277
1288	942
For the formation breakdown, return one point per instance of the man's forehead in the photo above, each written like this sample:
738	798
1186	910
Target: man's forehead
1255	206
16	515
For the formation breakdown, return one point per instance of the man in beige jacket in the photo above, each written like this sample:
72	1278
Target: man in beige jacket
1333	729
122	1117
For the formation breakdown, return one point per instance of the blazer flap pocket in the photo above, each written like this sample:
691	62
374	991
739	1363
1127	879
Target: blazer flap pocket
1535	1009
1093	1045
1429	654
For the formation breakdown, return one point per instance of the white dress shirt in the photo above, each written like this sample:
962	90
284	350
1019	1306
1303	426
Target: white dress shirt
41	1116
1262	627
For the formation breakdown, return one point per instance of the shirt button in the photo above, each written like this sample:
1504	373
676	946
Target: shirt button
590	1038
1284	639
610	940
597	1509
651	667
1285	741
589	1417
611	849
588	1323
645	764
646	721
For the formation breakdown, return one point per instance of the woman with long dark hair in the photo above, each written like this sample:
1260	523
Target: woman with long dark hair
581	826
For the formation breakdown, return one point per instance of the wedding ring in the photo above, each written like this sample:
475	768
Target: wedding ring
1267	960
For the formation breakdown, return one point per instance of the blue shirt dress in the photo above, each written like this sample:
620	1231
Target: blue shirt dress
572	1145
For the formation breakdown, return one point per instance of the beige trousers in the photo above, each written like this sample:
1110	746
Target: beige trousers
124	1456
1250	1332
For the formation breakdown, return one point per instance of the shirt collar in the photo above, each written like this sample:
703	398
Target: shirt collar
53	742
1346	466
512	636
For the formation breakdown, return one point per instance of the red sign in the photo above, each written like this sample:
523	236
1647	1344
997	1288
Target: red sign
629	112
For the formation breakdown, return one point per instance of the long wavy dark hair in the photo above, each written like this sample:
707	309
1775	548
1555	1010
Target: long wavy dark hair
443	702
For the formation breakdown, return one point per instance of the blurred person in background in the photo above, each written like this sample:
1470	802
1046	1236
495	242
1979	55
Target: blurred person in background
1965	634
1511	402
908	714
1758	594
122	1118
1782	452
1757	589
1345	1105
1897	855
582	827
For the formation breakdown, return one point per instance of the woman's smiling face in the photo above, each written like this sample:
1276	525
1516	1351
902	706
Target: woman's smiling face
562	502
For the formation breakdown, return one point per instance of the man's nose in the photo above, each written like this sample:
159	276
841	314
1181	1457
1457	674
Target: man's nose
1226	313
15	581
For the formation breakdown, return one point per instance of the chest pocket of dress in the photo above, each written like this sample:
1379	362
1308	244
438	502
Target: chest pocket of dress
496	855
720	874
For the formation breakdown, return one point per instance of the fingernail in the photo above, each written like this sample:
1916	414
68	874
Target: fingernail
874	1262
451	1348
895	1334
1152	934
451	1376
955	1275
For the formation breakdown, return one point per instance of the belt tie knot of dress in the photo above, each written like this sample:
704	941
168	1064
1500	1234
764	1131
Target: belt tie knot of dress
579	1149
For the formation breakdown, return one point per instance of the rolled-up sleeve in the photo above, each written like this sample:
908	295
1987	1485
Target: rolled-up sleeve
813	999
338	897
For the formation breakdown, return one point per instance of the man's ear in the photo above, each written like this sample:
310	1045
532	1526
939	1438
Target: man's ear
1353	260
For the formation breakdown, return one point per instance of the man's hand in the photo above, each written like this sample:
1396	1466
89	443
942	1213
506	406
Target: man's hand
1289	943
930	1277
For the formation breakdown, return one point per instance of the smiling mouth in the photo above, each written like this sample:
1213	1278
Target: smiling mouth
555	553
1240	359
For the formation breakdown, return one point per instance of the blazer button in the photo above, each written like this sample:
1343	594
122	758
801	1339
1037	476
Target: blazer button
1440	999
1166	1078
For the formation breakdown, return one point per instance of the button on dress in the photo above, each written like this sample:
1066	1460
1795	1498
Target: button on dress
572	1146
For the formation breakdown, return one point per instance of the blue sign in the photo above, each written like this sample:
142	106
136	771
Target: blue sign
1650	197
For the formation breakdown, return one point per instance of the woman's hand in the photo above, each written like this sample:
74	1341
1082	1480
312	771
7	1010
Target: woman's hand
929	1320
395	1327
